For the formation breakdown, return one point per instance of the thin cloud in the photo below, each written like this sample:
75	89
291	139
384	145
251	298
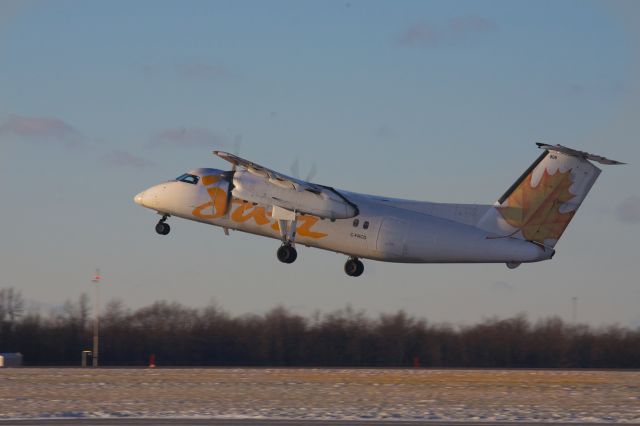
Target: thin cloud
419	34
385	132
124	159
203	71
196	71
41	129
456	29
9	9
469	25
502	287
36	127
184	137
576	90
594	90
629	210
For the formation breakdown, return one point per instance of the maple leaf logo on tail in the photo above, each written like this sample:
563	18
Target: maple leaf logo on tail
535	211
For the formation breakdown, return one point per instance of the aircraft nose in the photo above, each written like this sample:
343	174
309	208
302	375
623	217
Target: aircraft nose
139	198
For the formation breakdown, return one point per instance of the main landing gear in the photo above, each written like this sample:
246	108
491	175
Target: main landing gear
162	227
354	267
287	221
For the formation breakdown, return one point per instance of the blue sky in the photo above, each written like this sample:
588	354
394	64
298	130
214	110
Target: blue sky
438	101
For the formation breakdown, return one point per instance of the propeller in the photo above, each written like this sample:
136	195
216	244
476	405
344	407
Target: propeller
229	177
295	170
237	146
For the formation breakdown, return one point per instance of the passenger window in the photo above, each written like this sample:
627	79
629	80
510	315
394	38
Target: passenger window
365	225
355	223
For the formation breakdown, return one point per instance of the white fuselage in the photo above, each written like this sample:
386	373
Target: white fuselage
384	229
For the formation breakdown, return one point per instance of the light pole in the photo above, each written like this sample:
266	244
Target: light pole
96	321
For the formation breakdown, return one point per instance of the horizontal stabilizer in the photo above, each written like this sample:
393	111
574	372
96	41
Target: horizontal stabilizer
580	154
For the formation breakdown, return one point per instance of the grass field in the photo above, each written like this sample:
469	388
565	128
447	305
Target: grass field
418	394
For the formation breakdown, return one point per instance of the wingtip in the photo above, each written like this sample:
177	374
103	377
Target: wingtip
224	155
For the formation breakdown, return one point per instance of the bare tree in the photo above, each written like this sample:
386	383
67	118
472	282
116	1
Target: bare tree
178	335
11	305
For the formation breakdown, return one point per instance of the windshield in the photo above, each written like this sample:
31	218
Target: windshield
188	178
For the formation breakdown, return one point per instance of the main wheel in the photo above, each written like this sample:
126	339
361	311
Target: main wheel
162	228
354	268
287	254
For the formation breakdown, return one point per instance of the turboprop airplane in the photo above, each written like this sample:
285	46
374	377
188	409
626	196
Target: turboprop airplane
523	226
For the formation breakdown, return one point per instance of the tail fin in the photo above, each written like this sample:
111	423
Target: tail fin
540	204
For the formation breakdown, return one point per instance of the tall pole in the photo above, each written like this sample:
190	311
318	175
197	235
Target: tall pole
574	309
96	321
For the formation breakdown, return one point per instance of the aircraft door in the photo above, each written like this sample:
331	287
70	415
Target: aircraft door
392	236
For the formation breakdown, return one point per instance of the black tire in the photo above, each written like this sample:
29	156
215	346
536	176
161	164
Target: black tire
163	228
287	254
360	268
353	267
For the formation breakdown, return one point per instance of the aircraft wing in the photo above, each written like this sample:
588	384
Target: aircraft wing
270	187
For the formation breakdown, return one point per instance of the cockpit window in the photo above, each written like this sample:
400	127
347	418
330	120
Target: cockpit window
193	179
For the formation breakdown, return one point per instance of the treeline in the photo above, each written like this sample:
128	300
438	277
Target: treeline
178	335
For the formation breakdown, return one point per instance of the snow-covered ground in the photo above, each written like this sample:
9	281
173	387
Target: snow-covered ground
419	394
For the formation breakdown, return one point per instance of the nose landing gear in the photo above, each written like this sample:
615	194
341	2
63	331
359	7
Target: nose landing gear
354	267
287	253
162	227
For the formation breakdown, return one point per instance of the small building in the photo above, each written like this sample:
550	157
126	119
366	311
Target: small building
10	359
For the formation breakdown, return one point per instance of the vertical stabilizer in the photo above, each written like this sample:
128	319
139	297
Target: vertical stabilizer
540	204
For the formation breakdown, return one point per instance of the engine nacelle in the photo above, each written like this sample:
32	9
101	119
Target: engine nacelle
327	204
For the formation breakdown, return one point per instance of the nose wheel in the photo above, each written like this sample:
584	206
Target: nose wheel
354	267
287	253
162	227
